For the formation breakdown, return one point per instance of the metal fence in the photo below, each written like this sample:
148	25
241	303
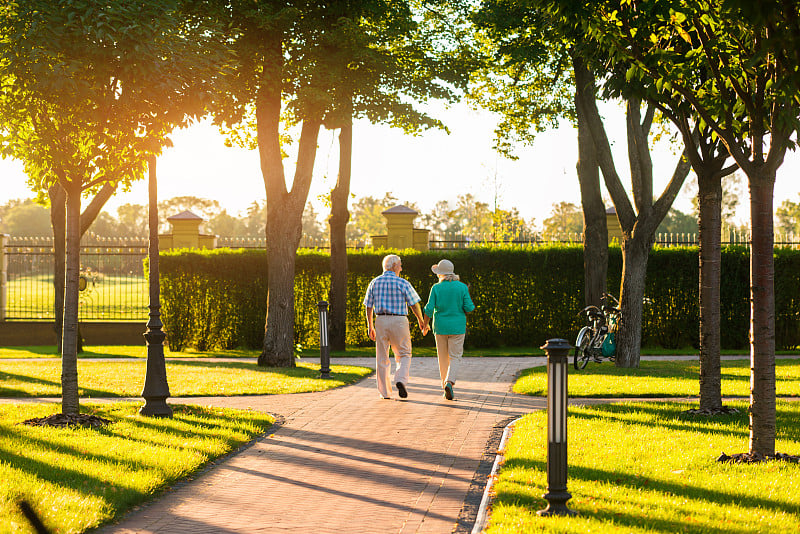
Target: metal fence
306	242
112	283
729	237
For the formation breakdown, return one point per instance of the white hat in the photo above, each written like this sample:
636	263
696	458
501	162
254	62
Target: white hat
443	267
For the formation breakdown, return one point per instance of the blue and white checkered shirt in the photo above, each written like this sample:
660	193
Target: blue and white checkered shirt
388	293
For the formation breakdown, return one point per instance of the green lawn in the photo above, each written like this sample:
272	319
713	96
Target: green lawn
37	378
658	379
109	297
649	468
49	351
78	479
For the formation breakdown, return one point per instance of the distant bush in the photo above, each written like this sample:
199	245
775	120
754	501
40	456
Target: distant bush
523	295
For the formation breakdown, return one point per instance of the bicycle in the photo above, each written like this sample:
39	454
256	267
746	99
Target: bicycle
596	340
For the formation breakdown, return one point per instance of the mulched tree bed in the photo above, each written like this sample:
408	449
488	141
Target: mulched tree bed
753	457
65	421
742	457
707	412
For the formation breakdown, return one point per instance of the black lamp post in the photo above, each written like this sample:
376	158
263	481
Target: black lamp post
156	389
324	347
557	495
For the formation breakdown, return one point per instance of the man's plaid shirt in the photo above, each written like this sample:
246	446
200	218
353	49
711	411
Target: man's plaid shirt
388	293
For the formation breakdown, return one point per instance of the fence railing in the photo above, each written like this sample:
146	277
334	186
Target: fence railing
306	241
730	237
112	284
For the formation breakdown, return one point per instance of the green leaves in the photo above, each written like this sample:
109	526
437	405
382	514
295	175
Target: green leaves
526	75
95	87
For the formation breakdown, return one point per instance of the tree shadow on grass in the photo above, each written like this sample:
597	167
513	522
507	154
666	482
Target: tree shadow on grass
304	370
673	415
634	522
195	415
6	376
26	450
637	485
669	415
670	370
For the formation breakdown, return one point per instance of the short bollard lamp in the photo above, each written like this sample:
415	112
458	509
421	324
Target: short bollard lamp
557	351
324	348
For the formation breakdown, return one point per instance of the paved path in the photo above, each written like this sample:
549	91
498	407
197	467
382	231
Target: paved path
347	461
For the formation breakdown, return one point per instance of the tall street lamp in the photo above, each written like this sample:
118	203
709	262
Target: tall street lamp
156	389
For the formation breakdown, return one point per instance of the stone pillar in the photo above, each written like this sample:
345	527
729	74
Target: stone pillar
400	231
422	239
186	233
3	277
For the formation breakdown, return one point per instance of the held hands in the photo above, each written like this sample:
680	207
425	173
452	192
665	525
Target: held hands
423	326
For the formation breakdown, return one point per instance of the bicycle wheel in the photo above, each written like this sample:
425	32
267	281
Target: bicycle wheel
582	343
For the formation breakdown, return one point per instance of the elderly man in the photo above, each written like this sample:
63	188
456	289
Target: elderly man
389	297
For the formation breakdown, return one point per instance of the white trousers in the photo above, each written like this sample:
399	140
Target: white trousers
449	349
392	331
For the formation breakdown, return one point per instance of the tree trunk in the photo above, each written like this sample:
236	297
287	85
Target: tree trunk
69	332
58	221
278	349
635	253
709	201
595	230
762	319
58	198
338	227
284	222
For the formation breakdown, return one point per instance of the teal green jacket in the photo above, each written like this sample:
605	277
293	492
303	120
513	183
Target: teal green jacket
448	304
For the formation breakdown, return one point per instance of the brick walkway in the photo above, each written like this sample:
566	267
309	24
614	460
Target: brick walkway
347	461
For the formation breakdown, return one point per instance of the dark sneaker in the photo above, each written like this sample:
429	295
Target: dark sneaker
448	391
401	390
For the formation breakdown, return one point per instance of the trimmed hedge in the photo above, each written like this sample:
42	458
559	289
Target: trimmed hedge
217	299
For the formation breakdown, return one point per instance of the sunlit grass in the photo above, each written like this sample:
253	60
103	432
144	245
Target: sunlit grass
658	379
37	378
94	351
77	479
647	467
308	353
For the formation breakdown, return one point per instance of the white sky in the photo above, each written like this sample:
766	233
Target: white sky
424	169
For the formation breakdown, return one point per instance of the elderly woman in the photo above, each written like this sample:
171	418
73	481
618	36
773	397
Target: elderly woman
448	304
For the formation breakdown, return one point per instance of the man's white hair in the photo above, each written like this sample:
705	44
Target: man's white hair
390	261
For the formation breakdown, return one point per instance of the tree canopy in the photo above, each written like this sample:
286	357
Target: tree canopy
89	91
733	71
